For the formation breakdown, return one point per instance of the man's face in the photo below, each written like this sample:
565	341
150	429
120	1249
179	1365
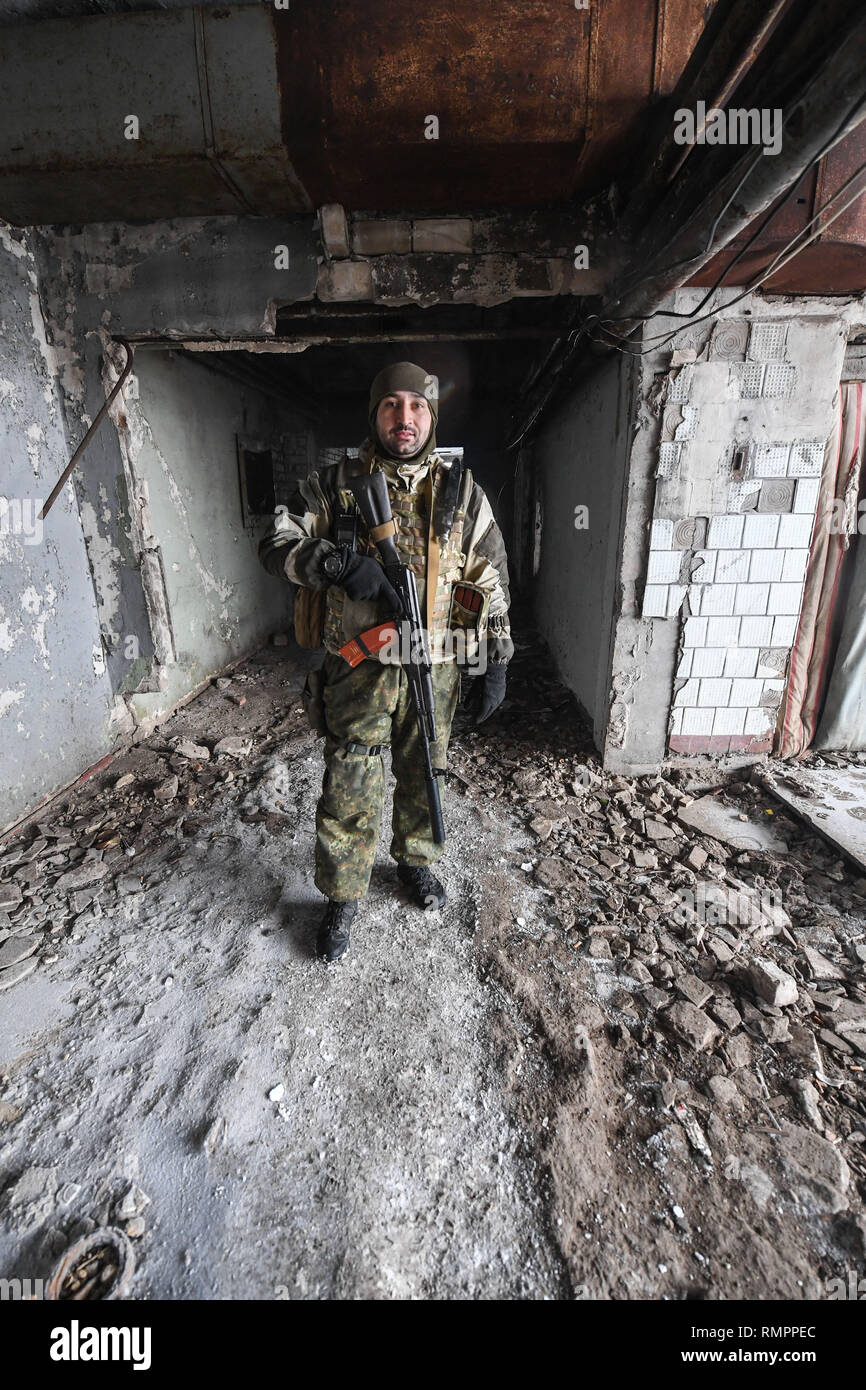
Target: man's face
403	422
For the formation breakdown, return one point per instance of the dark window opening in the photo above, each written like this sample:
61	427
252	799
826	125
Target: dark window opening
258	488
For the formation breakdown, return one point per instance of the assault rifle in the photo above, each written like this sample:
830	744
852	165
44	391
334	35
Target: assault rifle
374	504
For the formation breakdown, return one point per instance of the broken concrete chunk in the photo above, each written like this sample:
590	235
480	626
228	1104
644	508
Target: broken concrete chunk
166	790
18	948
133	1203
554	874
196	752
656	829
814	1167
802	1048
636	970
720	949
553	811
598	948
233	747
712	817
724	1092
696	858
724	1012
15	973
775	1030
807	1099
91	871
541	827
696	991
691	1025
773	984
10	895
825	1035
820	967
644	858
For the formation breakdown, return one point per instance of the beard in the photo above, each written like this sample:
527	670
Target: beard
403	446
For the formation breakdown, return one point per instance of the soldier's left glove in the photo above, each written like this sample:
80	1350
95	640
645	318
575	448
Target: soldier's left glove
491	695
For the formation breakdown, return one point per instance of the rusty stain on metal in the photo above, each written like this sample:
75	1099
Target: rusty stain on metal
525	95
742	65
836	262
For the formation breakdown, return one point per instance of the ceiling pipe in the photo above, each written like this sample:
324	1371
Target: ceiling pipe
712	201
735	33
708	199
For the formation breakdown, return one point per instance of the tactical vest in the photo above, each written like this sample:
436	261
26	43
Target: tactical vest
343	619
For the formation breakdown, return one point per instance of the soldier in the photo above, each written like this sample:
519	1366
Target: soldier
447	534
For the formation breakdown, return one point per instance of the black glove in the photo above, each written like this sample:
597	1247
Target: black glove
488	693
364	578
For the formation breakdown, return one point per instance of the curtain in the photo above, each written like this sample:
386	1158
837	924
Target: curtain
843	718
819	629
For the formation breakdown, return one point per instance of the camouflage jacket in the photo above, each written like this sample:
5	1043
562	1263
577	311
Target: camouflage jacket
468	542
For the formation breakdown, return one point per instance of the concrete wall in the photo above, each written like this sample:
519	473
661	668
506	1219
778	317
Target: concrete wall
56	702
145	579
580	461
733	419
182	424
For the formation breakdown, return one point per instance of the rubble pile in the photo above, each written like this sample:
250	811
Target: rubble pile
740	971
673	969
59	873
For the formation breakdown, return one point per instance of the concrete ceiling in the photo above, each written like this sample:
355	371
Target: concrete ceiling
253	110
536	103
247	108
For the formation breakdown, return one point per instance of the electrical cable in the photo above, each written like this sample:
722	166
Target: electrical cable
771	212
578	332
782	258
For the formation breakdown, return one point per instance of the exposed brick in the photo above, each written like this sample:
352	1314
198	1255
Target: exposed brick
442	234
335	230
377	236
339	280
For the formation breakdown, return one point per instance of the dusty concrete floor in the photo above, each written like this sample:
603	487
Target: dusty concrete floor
486	1102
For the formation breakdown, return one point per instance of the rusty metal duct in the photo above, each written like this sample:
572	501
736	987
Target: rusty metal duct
202	86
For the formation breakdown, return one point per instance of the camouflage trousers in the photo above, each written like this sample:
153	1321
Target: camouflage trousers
368	705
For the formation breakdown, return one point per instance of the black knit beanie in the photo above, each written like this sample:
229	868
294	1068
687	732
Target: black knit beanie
406	376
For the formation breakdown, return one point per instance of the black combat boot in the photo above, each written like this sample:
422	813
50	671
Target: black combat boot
333	938
425	890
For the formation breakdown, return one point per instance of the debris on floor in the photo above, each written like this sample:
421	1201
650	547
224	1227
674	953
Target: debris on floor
830	799
627	1057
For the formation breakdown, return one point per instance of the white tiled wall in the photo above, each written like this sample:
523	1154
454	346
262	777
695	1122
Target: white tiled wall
740	607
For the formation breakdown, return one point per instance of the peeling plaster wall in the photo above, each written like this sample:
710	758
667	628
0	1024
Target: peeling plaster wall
580	461
732	421
213	277
56	703
180	431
